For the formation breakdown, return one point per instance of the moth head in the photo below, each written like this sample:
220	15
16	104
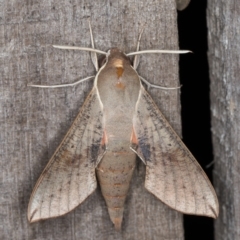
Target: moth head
115	57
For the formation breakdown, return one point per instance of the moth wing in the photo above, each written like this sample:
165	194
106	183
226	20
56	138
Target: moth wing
172	173
69	177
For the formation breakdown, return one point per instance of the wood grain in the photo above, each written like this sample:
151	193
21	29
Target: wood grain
224	62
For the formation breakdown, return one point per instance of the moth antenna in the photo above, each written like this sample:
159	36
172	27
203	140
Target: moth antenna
159	51
80	48
136	58
156	86
61	85
93	54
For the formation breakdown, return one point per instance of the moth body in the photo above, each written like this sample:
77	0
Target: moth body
118	86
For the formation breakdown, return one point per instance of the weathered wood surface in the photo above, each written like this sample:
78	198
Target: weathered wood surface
34	121
224	61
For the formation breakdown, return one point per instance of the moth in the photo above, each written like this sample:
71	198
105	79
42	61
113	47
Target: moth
118	122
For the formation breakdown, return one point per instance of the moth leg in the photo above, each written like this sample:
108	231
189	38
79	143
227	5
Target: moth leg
61	85
156	86
93	54
136	58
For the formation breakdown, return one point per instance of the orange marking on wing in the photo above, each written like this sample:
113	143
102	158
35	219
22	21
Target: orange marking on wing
104	139
134	139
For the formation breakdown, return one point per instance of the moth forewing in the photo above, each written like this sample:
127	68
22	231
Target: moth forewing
69	177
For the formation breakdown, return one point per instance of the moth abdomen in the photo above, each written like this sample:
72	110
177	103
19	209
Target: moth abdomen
116	214
114	174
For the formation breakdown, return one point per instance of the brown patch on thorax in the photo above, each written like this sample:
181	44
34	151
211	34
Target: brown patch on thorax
118	63
120	85
119	71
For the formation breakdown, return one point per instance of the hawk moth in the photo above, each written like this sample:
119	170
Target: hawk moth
118	122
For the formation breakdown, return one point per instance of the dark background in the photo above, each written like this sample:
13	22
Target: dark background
194	76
